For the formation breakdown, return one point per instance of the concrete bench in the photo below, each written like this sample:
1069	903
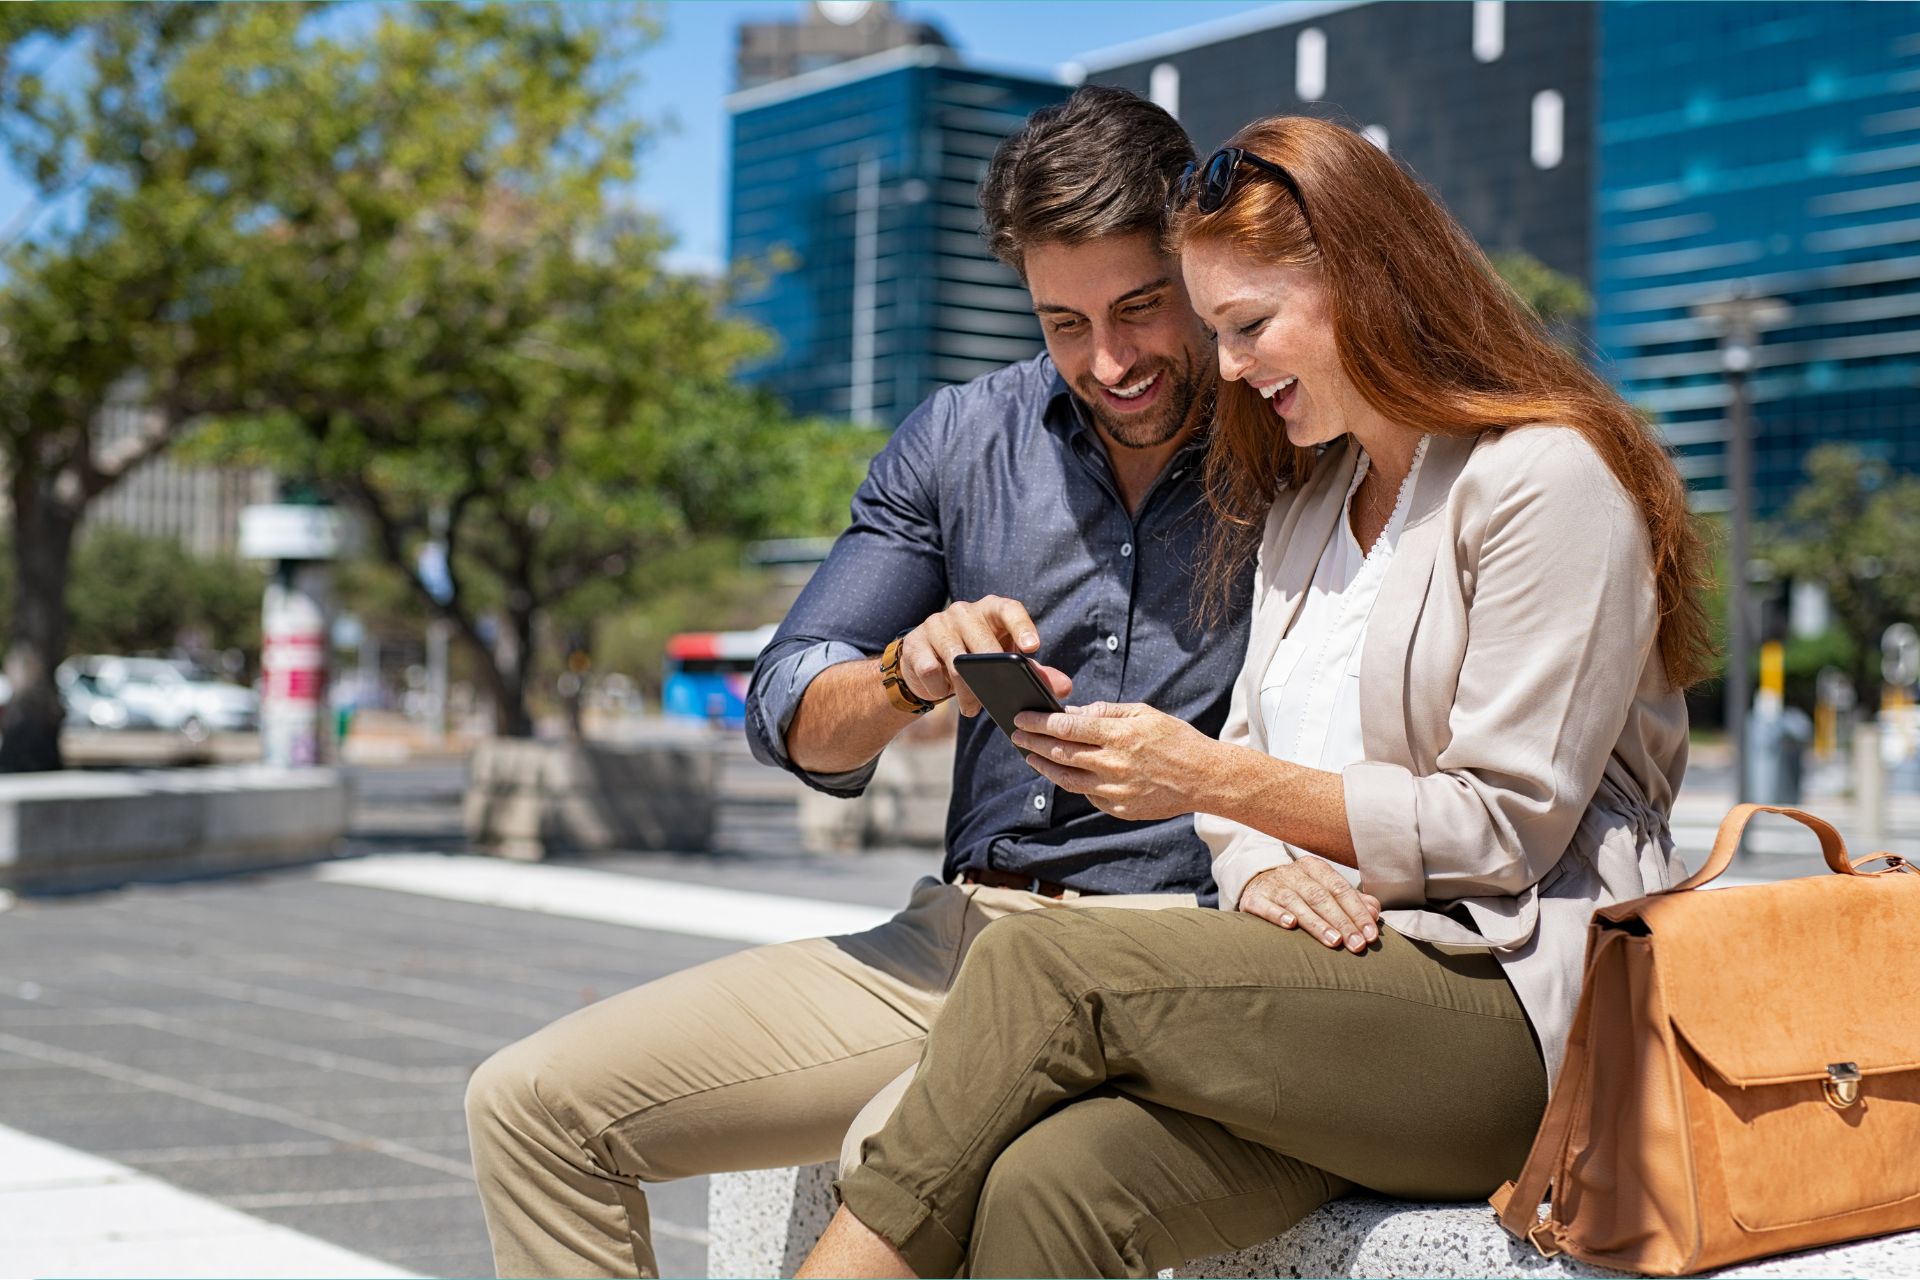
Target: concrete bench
526	799
763	1223
78	830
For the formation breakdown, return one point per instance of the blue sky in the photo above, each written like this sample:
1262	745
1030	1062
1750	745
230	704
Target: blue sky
684	174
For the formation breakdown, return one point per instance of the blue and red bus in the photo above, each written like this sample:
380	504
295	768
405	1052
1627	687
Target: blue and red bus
707	672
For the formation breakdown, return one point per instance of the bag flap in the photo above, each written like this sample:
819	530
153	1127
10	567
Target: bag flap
1771	983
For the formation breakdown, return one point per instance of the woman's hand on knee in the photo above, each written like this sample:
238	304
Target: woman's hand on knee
1310	894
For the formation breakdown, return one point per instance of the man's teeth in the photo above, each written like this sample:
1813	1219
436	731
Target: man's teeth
1137	389
1268	393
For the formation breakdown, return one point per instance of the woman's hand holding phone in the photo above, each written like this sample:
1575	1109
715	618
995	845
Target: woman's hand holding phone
1127	758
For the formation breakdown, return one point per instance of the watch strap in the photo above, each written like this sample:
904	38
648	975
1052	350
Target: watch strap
902	698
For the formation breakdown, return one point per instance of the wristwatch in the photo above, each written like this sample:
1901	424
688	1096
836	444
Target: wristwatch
902	698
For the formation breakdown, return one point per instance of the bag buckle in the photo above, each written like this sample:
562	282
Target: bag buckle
1545	1239
1842	1085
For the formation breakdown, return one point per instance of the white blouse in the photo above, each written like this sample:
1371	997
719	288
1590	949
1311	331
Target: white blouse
1310	694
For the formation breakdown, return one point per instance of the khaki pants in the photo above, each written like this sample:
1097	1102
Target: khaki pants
1114	1093
775	1056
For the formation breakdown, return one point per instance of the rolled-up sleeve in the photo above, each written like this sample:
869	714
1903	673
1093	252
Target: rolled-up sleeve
1562	619
886	573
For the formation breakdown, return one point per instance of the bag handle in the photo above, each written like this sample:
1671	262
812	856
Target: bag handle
1832	847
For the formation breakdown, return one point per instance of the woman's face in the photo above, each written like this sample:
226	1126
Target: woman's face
1275	332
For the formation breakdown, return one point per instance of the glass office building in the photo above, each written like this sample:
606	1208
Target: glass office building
854	212
1770	149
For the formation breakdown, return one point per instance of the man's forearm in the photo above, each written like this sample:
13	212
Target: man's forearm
844	719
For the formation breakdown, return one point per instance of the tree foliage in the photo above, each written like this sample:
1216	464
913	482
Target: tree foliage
375	246
1560	301
102	288
132	593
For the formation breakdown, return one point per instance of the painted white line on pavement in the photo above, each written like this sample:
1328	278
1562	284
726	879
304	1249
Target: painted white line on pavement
66	1213
671	906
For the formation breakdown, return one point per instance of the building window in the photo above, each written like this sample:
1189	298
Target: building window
1310	65
1489	29
1163	88
1376	134
1549	128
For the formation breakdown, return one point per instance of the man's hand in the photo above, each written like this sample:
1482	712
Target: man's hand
1309	894
991	624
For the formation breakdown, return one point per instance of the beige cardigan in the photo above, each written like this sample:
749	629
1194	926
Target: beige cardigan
1523	745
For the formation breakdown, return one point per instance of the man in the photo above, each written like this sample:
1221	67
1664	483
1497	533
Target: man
1056	504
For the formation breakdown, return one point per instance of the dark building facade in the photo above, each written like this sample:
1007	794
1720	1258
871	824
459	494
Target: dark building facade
1491	104
854	201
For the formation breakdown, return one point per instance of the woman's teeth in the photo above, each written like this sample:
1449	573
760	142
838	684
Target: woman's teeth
1268	393
1137	389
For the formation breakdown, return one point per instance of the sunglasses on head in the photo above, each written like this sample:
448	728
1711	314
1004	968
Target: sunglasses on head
1211	183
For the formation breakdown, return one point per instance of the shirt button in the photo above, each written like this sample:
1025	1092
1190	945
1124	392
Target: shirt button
1039	802
1126	548
1113	642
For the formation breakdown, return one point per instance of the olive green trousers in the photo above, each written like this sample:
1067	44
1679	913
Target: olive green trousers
1116	1092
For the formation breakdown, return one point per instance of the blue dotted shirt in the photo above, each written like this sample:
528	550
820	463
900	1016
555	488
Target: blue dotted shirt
999	487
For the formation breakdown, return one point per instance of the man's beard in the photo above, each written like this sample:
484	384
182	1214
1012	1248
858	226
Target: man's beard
1156	426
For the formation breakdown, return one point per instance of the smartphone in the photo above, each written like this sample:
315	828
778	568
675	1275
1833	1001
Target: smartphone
1006	684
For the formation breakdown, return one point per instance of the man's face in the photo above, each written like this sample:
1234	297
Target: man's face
1122	334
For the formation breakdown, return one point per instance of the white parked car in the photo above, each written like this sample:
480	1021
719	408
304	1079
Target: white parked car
157	692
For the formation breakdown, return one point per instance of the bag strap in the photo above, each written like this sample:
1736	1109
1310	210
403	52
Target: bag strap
1517	1204
1832	847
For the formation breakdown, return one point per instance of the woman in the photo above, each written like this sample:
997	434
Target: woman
1458	730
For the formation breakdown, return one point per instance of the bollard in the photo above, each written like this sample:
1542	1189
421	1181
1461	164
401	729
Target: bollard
1869	787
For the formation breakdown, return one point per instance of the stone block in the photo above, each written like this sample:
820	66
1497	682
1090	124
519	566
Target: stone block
904	804
531	798
764	1223
82	830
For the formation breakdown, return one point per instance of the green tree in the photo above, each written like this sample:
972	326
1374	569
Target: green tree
101	297
1559	300
442	321
374	243
1854	527
132	593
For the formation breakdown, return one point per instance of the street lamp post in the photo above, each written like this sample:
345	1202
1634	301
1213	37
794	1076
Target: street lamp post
1740	319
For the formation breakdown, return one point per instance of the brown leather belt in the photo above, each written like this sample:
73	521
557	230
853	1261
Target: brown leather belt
1008	880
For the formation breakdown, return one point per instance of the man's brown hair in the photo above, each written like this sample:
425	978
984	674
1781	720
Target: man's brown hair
1097	165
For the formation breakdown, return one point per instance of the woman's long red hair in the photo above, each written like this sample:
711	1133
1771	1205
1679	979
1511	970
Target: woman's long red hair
1432	338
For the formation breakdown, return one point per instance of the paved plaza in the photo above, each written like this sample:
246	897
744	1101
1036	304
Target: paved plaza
263	1074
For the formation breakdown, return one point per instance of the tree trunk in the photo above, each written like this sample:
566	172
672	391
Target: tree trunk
511	716
43	529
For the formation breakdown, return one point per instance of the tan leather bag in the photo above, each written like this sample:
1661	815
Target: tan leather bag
1743	1073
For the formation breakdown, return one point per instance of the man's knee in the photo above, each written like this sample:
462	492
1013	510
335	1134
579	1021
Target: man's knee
511	1096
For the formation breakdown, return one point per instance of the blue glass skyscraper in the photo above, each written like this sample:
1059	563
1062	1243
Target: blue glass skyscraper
854	204
1770	149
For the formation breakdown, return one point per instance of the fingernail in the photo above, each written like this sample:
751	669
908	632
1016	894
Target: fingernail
1371	932
1029	639
1286	920
1356	942
1333	936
